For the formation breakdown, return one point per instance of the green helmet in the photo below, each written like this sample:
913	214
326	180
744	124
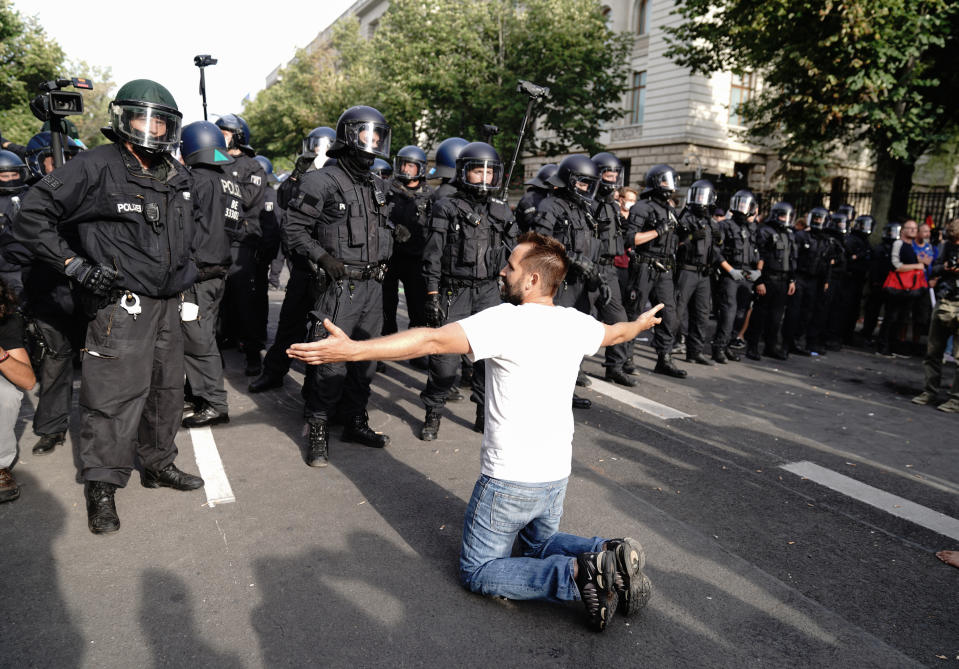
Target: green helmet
145	114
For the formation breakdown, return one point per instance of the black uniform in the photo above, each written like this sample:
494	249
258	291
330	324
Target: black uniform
470	238
571	222
778	255
734	296
697	256
10	271
858	262
811	266
217	195
266	251
826	278
879	268
609	228
836	315
343	215
527	206
104	207
411	209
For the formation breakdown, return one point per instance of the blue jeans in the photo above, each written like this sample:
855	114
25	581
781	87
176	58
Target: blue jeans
499	513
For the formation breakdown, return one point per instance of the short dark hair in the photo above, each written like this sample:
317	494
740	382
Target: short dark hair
547	257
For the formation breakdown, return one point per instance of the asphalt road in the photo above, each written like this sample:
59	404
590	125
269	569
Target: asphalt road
752	565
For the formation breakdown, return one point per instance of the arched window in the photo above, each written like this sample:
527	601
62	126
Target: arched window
642	17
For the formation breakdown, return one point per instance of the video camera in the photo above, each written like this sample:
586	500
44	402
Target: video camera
204	60
55	103
532	89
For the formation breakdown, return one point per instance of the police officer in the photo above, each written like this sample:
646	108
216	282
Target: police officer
119	221
312	157
217	195
836	229
13	183
777	262
738	258
879	269
339	222
470	236
539	187
651	229
267	249
239	322
698	255
409	197
382	169
609	231
858	260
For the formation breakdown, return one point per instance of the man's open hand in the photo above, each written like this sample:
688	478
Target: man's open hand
337	347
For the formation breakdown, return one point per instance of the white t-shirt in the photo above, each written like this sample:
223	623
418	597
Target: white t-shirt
533	353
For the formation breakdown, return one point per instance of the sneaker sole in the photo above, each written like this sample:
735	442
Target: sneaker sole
630	560
606	566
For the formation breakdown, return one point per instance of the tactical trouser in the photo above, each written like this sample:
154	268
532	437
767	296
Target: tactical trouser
202	362
874	301
767	315
293	325
409	270
693	289
943	324
837	312
55	397
460	301
819	319
852	288
734	303
261	298
131	393
799	309
241	317
898	311
649	283
612	313
356	307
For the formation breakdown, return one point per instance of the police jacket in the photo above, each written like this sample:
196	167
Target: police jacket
737	244
445	189
609	229
697	246
410	208
9	206
217	195
270	224
881	263
469	239
777	251
104	207
947	287
858	254
251	178
836	255
811	259
648	214
526	207
570	221
335	214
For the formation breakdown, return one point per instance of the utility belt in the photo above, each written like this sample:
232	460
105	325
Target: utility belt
457	284
605	260
699	269
661	263
370	272
777	274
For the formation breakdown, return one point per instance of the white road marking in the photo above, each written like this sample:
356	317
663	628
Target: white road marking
897	506
216	485
636	401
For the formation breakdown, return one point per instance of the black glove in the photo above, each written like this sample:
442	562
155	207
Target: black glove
334	268
401	233
587	270
98	279
605	295
434	313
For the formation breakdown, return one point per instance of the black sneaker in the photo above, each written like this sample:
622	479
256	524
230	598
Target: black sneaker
597	588
632	585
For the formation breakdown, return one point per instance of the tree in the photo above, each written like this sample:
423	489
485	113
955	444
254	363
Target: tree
834	75
96	103
27	59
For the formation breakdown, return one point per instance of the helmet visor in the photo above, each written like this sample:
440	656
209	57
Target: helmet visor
406	169
583	185
484	175
371	138
702	196
612	177
742	203
146	126
316	145
783	216
669	181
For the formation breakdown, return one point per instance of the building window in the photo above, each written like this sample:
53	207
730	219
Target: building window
741	90
637	102
642	17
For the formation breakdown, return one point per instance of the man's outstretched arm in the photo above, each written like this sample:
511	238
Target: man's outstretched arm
413	343
627	330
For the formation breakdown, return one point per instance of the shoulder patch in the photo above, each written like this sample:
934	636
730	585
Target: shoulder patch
186	195
268	206
52	182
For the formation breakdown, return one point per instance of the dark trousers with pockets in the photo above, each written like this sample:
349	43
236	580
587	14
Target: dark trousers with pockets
692	303
293	325
409	270
202	362
56	377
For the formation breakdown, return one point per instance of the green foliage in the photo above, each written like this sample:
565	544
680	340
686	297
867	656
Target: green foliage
27	58
96	103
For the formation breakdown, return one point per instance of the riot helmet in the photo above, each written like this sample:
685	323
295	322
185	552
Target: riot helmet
446	154
743	202
240	137
381	168
848	210
145	114
817	218
362	130
40	147
479	168
864	224
542	177
410	159
661	180
892	232
13	173
701	195
202	143
836	225
782	214
610	172
267	167
578	175
319	141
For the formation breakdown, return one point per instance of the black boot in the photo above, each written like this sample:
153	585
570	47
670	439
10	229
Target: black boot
170	476
101	509
48	442
265	381
719	355
431	425
318	454
732	355
620	377
358	430
206	417
664	365
775	352
581	402
480	424
254	364
629	367
698	358
752	352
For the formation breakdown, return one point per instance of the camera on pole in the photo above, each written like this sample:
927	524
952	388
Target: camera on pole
535	93
54	104
202	62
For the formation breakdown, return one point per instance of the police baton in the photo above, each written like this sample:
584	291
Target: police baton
535	93
202	62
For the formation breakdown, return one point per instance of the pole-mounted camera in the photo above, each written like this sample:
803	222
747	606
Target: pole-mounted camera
202	62
535	93
54	104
